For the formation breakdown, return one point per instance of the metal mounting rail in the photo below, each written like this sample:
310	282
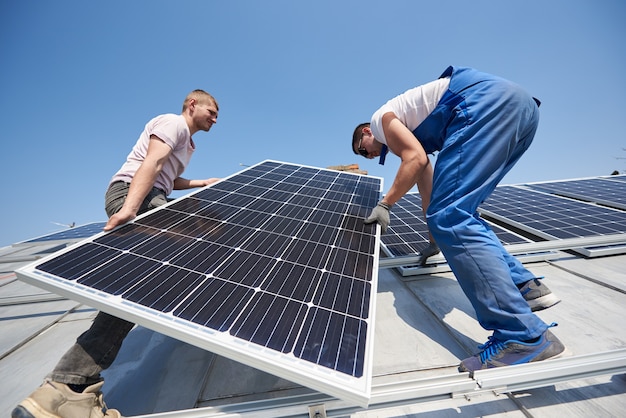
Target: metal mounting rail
402	393
531	247
545	373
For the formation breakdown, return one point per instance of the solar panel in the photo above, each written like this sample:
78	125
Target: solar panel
602	190
70	234
408	233
272	267
550	216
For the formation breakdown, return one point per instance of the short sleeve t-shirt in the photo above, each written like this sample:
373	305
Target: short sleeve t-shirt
171	129
410	107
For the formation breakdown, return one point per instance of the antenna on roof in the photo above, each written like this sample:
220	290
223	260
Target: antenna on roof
72	225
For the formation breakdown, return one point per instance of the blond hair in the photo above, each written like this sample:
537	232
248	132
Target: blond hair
200	96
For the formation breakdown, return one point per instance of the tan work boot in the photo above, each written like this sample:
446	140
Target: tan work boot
57	400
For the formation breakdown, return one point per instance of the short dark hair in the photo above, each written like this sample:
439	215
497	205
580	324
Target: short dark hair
357	135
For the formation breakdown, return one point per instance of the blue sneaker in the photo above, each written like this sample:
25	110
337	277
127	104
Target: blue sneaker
537	295
498	353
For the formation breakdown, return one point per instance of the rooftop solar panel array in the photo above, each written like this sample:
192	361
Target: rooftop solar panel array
272	267
70	234
602	190
408	233
550	216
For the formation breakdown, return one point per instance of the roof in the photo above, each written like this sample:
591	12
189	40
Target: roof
424	326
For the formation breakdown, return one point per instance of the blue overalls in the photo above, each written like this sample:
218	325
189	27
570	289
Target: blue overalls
481	127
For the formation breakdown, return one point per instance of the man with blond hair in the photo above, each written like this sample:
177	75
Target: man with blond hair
151	171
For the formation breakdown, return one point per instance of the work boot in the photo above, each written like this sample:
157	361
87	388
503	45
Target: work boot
57	400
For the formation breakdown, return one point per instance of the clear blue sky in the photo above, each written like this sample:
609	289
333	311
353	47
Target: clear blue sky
292	78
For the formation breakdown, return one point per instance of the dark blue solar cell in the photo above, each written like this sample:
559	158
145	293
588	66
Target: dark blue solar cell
201	256
128	236
271	321
194	204
215	304
228	234
304	200
164	246
162	219
294	211
333	340
343	294
267	243
77	262
217	211
163	290
294	281
325	218
120	274
265	205
237	200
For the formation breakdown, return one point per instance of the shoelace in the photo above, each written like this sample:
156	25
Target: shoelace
493	346
99	402
490	349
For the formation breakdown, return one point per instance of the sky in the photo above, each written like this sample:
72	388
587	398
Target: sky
79	80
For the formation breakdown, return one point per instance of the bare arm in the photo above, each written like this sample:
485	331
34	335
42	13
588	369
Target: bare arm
415	167
183	184
142	183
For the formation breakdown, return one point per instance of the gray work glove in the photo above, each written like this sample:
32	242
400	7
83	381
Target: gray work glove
431	250
380	214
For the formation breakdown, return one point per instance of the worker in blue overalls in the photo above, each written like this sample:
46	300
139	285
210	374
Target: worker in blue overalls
481	125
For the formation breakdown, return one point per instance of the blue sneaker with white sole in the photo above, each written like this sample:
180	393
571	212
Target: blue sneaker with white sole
537	295
497	353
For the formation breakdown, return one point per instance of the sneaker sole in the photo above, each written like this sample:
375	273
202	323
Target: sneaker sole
565	353
21	412
26	406
543	302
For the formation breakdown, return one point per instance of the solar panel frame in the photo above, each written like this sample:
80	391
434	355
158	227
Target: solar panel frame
338	287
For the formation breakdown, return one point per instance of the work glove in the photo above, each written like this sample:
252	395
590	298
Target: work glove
380	214
431	250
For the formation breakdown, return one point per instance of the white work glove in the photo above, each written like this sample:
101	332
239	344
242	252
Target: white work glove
431	250
380	214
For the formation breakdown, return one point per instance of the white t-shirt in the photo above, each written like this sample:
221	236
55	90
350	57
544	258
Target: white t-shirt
410	107
173	130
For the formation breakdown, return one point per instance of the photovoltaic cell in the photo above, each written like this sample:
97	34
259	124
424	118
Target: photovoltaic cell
608	191
272	267
550	216
407	233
